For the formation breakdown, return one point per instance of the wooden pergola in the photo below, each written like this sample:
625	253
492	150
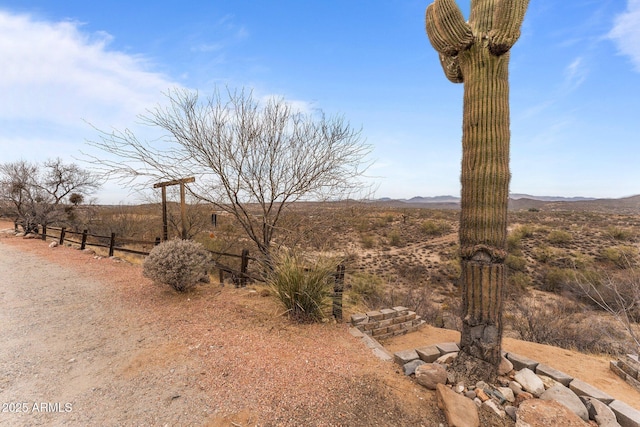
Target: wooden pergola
183	209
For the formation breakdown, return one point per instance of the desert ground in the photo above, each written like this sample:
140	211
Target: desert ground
92	332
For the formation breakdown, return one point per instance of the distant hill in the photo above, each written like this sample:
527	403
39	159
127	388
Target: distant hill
629	205
517	196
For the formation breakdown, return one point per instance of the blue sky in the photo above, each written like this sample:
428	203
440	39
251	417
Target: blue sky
575	82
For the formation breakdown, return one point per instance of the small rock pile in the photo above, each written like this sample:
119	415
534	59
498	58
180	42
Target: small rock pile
531	393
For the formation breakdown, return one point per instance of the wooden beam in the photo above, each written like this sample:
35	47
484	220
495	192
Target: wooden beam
174	182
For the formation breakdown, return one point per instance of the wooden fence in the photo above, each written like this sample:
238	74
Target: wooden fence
112	245
239	277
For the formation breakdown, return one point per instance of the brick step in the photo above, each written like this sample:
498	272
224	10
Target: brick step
397	328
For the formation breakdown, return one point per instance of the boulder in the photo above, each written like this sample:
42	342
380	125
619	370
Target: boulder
505	366
530	381
563	395
458	410
430	375
53	244
410	367
600	413
545	413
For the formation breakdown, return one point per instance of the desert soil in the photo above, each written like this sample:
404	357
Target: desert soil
98	344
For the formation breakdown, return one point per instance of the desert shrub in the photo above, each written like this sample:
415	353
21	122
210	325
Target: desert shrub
303	287
516	263
395	239
618	233
618	295
544	254
555	279
514	242
517	282
621	256
559	237
419	300
365	288
434	228
367	241
177	263
563	324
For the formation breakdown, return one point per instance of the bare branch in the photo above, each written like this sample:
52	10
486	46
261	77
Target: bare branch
249	159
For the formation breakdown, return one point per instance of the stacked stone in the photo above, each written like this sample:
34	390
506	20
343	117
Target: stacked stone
527	391
628	368
387	323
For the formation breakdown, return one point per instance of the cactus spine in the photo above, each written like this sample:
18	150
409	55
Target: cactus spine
476	53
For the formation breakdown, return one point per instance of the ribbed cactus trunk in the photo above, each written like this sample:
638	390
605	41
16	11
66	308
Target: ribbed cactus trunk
476	53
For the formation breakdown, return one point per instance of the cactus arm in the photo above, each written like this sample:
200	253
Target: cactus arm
451	68
508	18
447	30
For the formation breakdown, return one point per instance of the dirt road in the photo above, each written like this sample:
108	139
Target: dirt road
68	349
91	342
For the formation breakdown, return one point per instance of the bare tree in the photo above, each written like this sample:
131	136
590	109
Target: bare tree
250	159
41	194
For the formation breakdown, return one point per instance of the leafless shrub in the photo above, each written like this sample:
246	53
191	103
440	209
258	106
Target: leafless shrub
563	323
618	295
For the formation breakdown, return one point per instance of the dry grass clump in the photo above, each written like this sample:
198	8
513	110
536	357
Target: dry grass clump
303	287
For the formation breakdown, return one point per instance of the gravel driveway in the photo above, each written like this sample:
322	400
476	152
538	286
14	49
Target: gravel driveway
68	354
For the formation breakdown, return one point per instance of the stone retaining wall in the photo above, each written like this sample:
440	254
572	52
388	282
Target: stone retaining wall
626	415
388	322
627	368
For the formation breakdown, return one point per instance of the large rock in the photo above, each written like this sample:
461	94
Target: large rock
458	410
600	413
430	375
505	366
563	395
546	413
410	367
530	381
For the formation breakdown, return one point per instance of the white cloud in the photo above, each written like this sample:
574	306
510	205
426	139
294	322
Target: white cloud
53	72
626	32
575	74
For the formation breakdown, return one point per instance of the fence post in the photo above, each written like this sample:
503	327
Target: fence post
112	244
63	230
243	267
338	289
84	239
44	232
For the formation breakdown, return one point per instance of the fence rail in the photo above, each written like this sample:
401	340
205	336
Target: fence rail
239	277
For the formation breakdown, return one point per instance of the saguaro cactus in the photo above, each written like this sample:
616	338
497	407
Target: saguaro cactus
476	53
